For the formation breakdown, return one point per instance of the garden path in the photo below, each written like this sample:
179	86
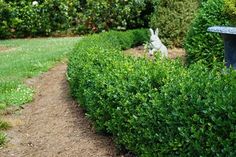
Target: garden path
172	53
53	124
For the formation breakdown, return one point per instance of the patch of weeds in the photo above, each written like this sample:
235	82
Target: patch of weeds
3	106
3	138
4	125
17	95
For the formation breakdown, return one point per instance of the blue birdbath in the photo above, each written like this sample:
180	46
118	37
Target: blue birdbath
229	36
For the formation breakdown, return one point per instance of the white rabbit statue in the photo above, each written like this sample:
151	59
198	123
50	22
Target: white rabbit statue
156	44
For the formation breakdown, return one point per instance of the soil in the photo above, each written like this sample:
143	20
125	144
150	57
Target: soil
172	53
176	53
3	48
53	125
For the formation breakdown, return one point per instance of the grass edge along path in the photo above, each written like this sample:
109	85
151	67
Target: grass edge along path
24	58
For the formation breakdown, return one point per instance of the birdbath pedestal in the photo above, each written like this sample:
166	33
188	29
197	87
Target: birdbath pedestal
229	36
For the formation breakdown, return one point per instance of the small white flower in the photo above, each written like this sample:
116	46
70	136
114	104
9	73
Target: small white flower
35	3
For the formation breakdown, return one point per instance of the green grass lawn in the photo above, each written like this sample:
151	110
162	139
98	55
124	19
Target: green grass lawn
24	58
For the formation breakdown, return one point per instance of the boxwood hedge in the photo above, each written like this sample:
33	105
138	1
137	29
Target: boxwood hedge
154	107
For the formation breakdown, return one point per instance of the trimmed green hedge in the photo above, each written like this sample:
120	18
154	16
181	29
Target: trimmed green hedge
203	45
154	107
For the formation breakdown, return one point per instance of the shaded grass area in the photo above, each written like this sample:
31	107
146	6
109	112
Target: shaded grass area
24	58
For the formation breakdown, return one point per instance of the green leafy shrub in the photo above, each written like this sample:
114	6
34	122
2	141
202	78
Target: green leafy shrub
173	18
22	18
231	10
199	112
101	15
231	7
154	107
58	14
30	20
55	17
203	45
6	19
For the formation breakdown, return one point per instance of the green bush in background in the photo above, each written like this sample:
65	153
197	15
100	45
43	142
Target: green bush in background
22	19
6	19
154	107
58	17
30	21
231	10
173	18
231	6
203	45
105	14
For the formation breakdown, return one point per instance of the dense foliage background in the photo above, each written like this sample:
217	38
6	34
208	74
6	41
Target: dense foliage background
230	9
173	18
68	17
116	14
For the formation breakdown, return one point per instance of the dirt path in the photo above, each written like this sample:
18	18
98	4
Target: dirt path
172	53
4	48
53	124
